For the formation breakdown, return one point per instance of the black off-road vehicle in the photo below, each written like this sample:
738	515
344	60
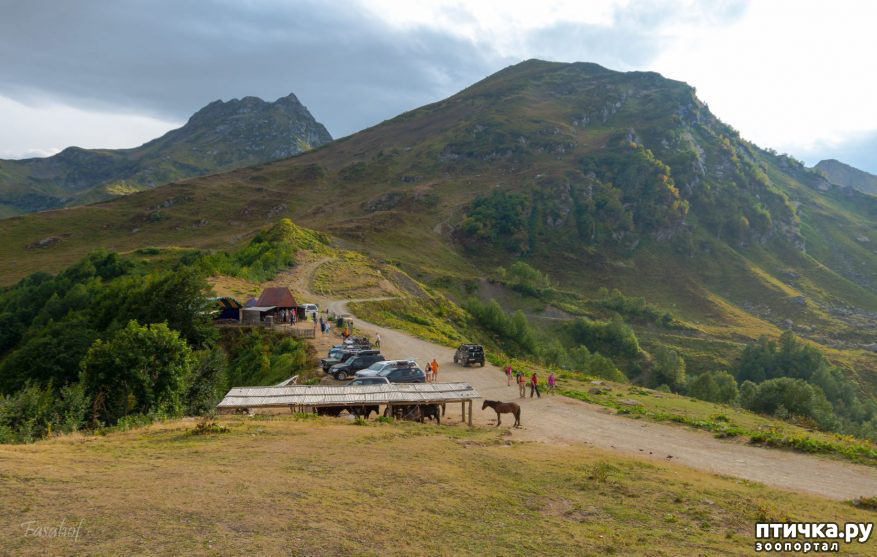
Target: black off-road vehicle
355	363
469	354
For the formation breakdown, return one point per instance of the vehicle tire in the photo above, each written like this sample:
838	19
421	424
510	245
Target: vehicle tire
341	375
482	363
456	361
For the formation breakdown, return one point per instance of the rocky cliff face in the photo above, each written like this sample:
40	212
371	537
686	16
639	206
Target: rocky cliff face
221	136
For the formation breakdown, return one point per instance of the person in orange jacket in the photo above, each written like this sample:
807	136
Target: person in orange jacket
434	370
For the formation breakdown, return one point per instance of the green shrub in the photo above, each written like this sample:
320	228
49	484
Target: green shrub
208	383
714	386
612	338
668	369
139	370
513	331
32	413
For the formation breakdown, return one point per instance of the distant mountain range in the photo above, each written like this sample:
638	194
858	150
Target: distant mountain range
845	175
221	136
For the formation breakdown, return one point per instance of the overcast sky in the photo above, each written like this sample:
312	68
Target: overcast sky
797	76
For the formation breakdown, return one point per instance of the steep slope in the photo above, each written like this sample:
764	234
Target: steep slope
845	175
220	136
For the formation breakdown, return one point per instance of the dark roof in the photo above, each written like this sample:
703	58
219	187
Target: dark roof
278	296
251	302
228	303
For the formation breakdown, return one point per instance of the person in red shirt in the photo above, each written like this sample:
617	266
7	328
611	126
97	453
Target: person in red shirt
508	376
534	386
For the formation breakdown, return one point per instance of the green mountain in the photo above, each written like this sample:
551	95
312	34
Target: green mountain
845	175
598	178
221	136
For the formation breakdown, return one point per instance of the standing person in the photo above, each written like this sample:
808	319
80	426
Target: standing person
534	386
428	372
434	370
378	340
552	382
521	385
508	376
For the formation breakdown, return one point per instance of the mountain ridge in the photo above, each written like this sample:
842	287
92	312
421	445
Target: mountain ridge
606	176
222	135
843	174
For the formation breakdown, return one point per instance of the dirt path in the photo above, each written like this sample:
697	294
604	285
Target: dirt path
558	419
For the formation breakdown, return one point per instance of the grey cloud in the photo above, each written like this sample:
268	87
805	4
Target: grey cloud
169	58
635	37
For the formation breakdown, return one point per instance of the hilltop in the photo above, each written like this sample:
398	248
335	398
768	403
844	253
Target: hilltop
221	136
845	175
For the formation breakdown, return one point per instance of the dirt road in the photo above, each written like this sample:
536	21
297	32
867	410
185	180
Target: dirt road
558	419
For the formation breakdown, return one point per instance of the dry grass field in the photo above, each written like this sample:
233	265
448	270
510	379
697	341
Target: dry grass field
305	486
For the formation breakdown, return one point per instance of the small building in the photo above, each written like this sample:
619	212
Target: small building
276	303
257	315
227	309
278	296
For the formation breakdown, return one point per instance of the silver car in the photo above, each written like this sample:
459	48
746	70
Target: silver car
376	368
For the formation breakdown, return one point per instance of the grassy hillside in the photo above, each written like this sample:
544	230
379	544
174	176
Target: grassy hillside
599	179
404	489
219	137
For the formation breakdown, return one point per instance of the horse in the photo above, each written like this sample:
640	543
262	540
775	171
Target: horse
363	410
432	412
504	408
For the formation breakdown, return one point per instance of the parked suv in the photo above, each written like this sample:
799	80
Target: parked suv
403	374
469	354
355	363
340	354
376	368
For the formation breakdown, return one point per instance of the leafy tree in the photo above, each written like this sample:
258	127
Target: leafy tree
178	299
667	369
208	382
786	397
500	218
33	412
526	279
50	355
514	331
748	392
614	338
594	363
714	386
140	370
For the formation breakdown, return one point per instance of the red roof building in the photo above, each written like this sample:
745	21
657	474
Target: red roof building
276	296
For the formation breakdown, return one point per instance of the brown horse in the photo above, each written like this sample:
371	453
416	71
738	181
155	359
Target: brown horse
504	408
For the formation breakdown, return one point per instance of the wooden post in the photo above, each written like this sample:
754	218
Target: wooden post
470	413
463	407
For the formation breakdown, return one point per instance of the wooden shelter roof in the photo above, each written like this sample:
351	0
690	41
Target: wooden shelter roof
342	395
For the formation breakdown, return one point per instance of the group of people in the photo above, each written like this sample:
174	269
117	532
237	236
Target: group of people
431	371
325	325
522	382
287	316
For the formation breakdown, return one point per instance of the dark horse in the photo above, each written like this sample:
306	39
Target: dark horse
504	408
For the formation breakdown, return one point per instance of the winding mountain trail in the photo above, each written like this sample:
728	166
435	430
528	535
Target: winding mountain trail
558	419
